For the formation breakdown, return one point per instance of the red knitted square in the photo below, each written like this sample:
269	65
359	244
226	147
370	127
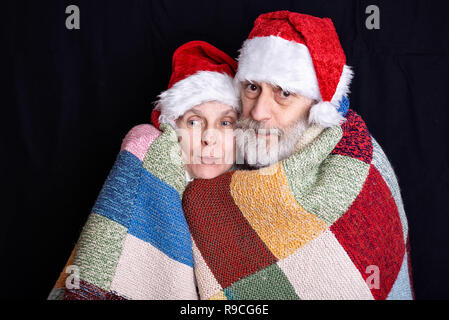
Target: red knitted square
356	140
228	244
88	291
371	233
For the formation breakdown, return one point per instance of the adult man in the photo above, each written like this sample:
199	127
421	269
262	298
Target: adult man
281	76
326	221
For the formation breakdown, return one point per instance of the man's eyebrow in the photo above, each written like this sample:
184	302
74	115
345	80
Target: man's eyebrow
227	111
251	81
277	87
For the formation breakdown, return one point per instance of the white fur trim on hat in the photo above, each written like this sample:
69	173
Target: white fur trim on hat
283	63
325	114
288	64
203	86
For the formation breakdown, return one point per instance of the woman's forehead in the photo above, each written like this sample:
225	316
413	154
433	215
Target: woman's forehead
212	109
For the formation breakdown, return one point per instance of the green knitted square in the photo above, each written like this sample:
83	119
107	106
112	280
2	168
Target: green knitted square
98	250
335	185
269	283
164	160
324	184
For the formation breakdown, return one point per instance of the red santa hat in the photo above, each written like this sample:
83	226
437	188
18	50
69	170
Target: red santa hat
302	54
200	73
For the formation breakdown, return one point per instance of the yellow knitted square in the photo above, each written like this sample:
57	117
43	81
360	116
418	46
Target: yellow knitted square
218	296
268	204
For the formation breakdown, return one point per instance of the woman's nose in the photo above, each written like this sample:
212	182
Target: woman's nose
209	138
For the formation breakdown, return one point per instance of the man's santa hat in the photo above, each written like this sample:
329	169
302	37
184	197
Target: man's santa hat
301	54
200	73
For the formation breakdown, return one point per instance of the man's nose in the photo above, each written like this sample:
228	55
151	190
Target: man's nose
262	108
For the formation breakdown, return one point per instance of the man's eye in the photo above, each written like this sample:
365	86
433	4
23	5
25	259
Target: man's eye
252	87
226	123
285	94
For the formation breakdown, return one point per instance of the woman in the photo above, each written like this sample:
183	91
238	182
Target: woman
202	104
136	243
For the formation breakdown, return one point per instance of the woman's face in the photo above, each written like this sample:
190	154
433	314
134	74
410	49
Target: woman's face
207	139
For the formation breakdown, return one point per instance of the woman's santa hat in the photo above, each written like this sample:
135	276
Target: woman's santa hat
301	54
200	73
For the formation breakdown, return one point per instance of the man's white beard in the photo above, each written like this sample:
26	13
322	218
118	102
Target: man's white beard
253	150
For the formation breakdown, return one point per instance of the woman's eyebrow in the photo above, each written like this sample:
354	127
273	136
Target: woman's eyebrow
195	112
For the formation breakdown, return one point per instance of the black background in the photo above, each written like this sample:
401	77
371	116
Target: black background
70	96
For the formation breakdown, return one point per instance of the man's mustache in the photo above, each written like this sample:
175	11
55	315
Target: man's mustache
250	124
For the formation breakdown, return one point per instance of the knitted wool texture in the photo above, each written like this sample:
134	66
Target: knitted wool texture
135	243
326	223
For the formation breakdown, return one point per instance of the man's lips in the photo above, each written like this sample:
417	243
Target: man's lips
266	135
209	160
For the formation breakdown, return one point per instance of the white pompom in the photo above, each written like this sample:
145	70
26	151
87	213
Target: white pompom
325	114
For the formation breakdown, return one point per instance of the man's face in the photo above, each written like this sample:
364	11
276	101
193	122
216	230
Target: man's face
278	119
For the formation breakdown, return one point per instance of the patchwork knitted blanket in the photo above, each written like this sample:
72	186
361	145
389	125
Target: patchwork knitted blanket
135	243
326	223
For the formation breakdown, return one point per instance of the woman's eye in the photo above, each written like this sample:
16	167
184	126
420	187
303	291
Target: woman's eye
226	123
194	123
